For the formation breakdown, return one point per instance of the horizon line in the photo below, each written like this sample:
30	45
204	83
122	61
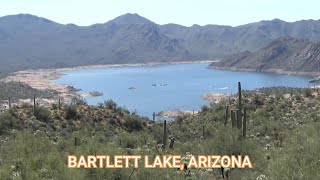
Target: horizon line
275	19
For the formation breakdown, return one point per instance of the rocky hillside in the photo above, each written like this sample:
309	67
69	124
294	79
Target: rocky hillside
27	41
283	127
18	90
282	54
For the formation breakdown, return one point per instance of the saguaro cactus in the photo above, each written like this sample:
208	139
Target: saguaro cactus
9	103
232	118
34	103
164	140
153	116
244	122
226	115
171	143
75	141
59	105
239	114
203	131
239	119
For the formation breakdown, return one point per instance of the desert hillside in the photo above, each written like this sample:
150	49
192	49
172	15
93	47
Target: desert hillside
285	54
28	41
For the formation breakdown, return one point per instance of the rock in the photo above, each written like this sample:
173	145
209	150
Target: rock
267	138
262	177
95	93
268	146
267	156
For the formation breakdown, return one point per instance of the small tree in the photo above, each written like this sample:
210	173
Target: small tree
71	112
133	123
110	104
307	92
42	114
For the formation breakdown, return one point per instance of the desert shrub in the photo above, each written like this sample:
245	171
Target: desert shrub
25	105
71	112
307	92
54	106
14	112
300	158
298	97
133	123
6	121
204	108
42	114
157	133
314	116
112	121
179	119
110	104
128	140
100	105
278	96
78	101
257	100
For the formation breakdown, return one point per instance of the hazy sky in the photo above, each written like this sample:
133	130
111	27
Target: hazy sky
184	12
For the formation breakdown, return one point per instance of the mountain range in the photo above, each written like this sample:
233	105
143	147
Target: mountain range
28	41
285	54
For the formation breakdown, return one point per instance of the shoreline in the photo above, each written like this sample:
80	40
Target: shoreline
130	65
273	71
43	79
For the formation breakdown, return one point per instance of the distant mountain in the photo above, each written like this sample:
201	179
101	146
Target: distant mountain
131	19
28	41
282	54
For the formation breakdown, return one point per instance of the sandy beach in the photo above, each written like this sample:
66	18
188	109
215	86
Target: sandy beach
41	80
215	97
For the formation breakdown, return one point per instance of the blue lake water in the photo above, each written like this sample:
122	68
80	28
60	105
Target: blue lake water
183	85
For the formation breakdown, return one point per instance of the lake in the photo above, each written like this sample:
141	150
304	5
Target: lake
157	88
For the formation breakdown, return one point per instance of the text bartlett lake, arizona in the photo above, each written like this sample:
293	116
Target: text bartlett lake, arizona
168	161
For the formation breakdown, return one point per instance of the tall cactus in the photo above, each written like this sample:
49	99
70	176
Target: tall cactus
238	119
239	113
9	103
244	123
34	103
226	115
164	140
232	114
75	141
203	131
171	143
153	116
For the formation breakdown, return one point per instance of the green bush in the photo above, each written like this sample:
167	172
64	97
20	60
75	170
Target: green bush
307	92
6	121
204	108
257	100
78	101
54	106
133	123
71	112
42	114
110	104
